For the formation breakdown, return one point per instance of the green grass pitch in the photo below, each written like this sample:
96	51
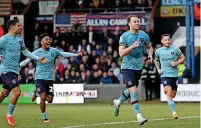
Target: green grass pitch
100	115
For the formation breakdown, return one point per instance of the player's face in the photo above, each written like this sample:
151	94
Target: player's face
46	42
166	41
17	28
134	23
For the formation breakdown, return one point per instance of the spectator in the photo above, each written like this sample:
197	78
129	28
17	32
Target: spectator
93	57
64	46
181	69
84	46
129	4
36	43
115	69
99	52
82	68
30	79
105	79
72	77
82	79
113	77
86	62
102	4
73	63
62	80
149	76
88	77
94	79
31	69
91	35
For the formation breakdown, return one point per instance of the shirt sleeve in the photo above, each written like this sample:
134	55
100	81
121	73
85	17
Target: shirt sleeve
30	55
147	39
23	47
178	52
57	52
2	42
156	54
122	40
67	54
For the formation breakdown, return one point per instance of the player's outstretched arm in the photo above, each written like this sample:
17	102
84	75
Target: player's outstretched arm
34	57
123	51
157	63
24	62
68	54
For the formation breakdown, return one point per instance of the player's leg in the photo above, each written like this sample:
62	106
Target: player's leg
133	93
3	94
174	86
35	95
167	82
41	90
174	92
43	106
10	83
49	97
50	91
124	96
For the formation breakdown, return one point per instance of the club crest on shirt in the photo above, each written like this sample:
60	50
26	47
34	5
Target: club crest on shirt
172	53
52	54
142	39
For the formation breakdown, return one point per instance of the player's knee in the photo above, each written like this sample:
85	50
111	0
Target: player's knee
50	101
17	93
5	95
133	89
43	98
173	95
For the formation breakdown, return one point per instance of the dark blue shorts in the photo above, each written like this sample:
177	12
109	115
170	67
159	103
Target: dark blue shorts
170	81
45	86
10	80
131	77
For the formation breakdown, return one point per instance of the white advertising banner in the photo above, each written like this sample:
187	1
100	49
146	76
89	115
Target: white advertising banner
21	19
185	93
48	7
90	94
67	94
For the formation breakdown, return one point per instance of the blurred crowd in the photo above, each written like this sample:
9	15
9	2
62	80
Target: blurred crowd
72	4
108	3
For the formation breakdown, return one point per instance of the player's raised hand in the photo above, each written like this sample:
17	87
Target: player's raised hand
79	54
160	71
43	60
135	44
174	64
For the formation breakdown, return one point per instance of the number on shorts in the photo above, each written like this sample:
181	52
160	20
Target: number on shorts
51	89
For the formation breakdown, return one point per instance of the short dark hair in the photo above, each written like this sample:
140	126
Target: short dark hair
164	35
11	23
130	16
42	36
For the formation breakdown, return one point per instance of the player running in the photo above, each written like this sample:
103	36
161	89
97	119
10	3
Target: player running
11	46
131	48
44	73
169	57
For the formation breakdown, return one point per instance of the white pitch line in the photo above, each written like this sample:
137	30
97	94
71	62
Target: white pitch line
124	122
